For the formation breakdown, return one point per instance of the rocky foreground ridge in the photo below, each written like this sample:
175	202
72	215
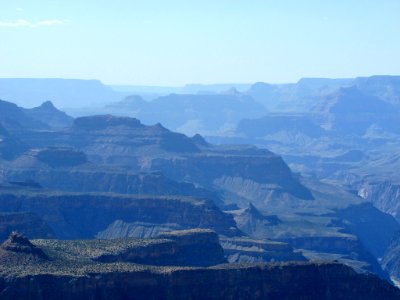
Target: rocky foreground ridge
99	269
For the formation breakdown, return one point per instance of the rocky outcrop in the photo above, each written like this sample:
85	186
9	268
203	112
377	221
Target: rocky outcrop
14	118
252	222
47	113
196	247
18	244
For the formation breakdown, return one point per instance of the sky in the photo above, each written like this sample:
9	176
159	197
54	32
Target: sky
176	42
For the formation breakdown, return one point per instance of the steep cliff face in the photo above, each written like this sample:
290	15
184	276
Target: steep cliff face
274	281
385	195
374	229
391	259
196	247
91	178
216	169
357	234
73	215
27	223
10	147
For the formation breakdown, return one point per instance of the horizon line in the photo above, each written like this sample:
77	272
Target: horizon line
193	84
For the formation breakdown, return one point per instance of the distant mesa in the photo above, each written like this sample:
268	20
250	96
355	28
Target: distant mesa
104	121
350	111
295	97
384	87
351	99
64	92
127	103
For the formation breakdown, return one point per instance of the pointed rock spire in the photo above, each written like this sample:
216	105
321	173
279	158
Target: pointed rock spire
18	243
253	211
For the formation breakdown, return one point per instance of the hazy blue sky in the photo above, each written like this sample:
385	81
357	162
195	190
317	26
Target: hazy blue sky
207	41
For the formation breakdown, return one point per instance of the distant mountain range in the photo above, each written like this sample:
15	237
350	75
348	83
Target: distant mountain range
300	96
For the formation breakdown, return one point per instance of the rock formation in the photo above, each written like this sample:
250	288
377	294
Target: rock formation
18	244
80	215
51	269
50	115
